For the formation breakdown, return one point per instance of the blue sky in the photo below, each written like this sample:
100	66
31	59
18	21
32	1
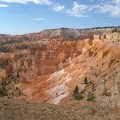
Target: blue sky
26	16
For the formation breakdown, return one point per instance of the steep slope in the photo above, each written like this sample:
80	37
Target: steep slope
96	66
51	76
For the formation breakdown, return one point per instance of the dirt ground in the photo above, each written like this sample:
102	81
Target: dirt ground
11	109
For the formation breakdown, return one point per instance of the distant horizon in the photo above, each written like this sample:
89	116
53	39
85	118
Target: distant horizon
60	28
28	16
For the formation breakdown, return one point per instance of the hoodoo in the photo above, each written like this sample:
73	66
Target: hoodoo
50	70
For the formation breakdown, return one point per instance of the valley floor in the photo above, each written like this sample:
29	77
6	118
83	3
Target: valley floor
11	109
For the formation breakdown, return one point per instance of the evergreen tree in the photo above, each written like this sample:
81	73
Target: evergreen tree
85	80
76	90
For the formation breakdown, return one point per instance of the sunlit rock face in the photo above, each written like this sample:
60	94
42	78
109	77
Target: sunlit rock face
47	58
50	70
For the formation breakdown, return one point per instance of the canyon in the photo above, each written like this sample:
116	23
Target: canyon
50	72
64	71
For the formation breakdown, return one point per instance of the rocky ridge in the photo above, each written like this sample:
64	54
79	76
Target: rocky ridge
10	43
60	33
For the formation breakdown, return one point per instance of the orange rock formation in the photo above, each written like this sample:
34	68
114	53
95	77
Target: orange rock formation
50	71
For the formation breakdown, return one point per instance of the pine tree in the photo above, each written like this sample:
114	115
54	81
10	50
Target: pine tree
76	90
85	80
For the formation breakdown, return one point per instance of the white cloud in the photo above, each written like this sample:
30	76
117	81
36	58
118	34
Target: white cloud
80	10
112	8
117	1
58	7
3	5
38	19
105	6
42	2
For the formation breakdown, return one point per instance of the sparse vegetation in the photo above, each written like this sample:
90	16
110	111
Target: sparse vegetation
7	46
3	90
3	93
4	49
114	30
11	42
79	97
91	97
4	62
21	47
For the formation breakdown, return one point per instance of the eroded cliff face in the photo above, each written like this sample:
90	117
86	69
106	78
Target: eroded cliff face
51	70
45	59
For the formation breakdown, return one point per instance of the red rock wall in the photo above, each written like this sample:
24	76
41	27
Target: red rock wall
44	59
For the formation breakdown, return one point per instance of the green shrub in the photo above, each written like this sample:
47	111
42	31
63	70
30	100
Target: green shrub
91	98
3	93
79	97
